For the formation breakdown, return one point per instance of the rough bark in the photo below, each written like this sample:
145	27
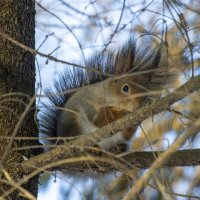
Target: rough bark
17	79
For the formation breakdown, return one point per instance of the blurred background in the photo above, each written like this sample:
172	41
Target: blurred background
74	30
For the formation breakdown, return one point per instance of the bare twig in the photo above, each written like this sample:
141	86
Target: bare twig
163	158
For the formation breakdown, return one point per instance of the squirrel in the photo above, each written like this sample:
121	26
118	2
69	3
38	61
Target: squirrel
84	100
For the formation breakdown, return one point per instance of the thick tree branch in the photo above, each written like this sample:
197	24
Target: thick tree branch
75	147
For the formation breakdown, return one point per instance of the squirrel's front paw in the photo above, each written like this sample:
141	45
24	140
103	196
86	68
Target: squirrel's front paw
117	141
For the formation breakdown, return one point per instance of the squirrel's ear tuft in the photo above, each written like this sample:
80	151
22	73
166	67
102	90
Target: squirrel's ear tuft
125	58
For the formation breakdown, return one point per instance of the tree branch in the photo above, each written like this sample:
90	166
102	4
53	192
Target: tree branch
75	147
161	160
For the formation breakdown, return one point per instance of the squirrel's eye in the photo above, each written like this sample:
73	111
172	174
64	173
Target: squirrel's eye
125	88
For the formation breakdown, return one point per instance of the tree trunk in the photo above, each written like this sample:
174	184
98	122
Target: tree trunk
17	85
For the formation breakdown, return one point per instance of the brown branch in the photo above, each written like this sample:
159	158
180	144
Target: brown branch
144	159
75	147
107	163
162	159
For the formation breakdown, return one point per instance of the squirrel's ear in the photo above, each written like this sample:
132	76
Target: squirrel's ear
125	58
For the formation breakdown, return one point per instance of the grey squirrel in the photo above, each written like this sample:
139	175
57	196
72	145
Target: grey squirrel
100	98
